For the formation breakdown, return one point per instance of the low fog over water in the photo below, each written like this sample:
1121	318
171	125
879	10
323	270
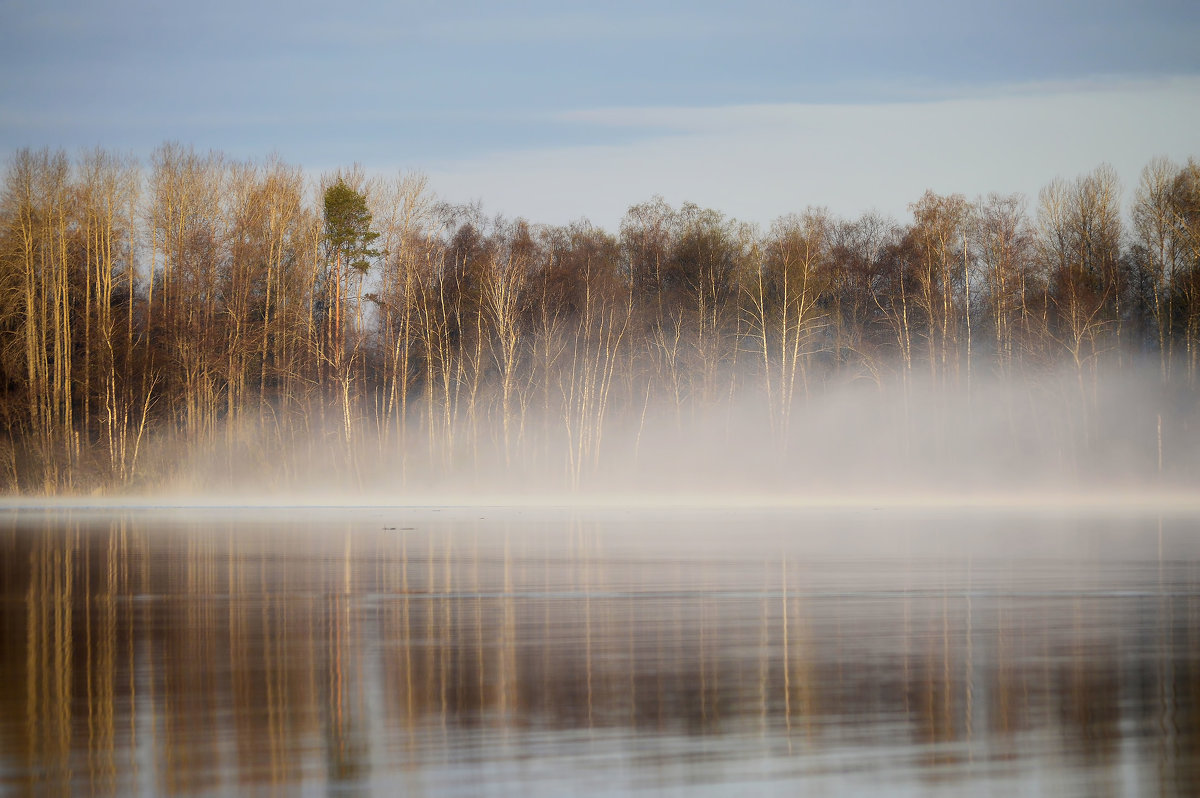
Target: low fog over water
1113	435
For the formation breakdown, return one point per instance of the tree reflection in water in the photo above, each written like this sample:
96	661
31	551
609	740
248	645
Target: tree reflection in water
181	655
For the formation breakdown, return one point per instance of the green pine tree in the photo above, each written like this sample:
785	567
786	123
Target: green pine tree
348	234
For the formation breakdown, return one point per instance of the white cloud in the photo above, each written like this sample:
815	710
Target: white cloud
758	162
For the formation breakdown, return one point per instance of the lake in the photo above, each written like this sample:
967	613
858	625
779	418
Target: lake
549	652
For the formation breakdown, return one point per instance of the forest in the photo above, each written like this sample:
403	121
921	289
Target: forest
201	322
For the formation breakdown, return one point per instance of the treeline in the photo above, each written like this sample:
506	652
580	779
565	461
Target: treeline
232	308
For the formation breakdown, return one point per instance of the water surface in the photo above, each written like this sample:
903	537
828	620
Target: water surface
468	651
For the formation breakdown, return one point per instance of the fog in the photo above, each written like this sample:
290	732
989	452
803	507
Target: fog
1107	439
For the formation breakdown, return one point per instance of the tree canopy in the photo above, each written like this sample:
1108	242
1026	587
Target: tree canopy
348	233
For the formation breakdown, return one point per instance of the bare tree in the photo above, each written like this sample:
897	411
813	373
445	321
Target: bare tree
1003	241
938	233
406	219
506	274
790	280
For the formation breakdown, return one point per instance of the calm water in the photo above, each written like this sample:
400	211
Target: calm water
498	652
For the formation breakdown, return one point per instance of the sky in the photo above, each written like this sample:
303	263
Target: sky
557	111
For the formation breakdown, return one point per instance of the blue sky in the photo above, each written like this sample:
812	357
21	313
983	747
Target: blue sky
556	110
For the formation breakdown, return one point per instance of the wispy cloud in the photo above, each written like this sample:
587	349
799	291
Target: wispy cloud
757	162
586	25
772	95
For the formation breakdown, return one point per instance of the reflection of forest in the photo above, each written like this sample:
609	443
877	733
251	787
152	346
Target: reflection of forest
207	656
